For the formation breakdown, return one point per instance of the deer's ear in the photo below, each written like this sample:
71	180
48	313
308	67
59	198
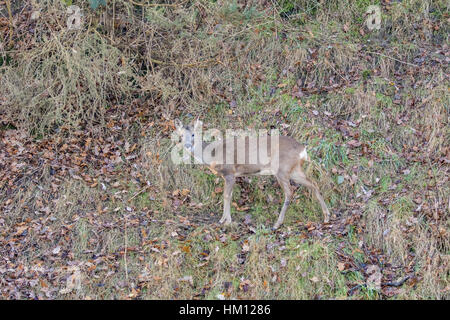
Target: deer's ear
198	124
178	124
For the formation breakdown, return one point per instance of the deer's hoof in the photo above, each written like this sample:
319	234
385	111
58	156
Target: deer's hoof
225	221
275	227
228	225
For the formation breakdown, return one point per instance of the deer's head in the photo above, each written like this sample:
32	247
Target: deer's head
187	133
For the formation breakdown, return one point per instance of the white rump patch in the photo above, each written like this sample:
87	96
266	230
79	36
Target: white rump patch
304	155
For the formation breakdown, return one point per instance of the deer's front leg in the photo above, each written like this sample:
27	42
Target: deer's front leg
227	194
285	184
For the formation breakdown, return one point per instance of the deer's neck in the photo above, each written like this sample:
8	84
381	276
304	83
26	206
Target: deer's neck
198	154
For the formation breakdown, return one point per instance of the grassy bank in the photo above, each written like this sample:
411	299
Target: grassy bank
93	208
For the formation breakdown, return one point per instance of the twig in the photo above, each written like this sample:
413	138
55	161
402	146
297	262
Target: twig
126	246
389	57
397	283
156	4
8	6
384	284
199	64
329	64
113	19
138	193
101	35
358	286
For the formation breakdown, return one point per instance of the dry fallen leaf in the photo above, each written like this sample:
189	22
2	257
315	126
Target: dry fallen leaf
20	230
245	247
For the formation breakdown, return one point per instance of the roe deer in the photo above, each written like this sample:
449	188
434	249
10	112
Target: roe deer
288	154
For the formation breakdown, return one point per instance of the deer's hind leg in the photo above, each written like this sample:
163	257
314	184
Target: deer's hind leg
299	177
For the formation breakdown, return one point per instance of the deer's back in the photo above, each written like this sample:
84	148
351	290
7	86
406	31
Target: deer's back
251	156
